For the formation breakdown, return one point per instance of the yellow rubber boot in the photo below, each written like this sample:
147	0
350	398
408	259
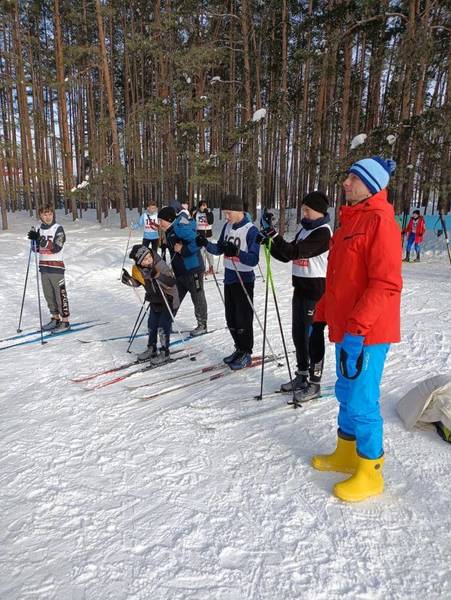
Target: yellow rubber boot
343	459
366	482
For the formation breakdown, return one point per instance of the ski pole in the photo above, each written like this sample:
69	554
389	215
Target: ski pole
137	329
265	320
132	334
271	281
240	279
184	341
25	288
210	264
36	250
126	250
443	222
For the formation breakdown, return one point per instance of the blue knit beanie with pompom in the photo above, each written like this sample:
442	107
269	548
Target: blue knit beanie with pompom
374	172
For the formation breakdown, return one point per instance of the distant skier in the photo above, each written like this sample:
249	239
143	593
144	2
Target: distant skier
149	221
238	243
50	239
204	225
415	231
308	252
361	306
156	276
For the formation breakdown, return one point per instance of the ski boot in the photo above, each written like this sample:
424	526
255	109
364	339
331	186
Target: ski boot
161	358
51	325
299	382
309	392
61	326
231	357
148	354
242	361
199	330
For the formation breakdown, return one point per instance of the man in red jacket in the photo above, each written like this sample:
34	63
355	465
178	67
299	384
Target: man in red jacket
361	306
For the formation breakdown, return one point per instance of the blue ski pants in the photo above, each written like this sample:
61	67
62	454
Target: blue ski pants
159	320
359	410
411	242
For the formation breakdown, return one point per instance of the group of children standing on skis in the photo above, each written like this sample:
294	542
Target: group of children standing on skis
350	282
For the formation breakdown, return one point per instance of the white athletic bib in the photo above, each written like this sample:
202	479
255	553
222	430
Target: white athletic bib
201	222
46	256
237	237
316	266
151	222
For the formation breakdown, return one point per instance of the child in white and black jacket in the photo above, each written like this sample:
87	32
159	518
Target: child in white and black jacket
151	271
308	252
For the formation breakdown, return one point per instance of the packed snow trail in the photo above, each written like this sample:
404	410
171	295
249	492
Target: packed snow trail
206	494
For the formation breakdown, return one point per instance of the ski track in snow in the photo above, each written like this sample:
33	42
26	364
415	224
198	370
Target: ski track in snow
205	493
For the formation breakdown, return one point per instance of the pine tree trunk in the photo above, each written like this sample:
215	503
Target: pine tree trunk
108	87
66	149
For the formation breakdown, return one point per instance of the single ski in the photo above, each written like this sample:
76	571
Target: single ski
115	369
184	331
226	371
112	339
38	331
127	337
48	336
199	371
191	356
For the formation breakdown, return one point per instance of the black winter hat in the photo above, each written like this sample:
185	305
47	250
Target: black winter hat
318	201
138	252
232	202
167	213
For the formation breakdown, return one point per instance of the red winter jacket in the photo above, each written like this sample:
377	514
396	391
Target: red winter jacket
363	282
421	228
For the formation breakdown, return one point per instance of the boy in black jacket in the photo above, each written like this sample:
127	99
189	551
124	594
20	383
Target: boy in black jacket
308	252
159	282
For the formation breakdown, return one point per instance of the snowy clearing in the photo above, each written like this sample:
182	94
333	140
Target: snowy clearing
205	493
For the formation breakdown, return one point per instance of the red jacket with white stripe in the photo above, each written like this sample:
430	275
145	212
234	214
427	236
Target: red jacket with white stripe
363	281
419	231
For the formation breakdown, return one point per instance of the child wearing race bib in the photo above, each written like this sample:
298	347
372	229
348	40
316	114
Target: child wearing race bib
48	241
238	242
149	222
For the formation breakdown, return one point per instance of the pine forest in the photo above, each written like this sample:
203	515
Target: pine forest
107	104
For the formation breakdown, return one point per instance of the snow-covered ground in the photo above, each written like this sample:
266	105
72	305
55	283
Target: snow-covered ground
205	493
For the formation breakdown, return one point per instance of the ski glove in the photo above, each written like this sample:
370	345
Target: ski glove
201	241
230	249
265	235
34	236
351	355
127	279
266	220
